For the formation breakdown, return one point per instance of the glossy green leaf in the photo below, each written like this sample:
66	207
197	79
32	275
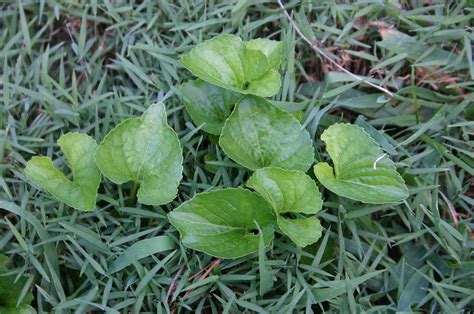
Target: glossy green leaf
144	150
223	223
11	288
290	191
79	193
208	105
245	67
362	171
258	134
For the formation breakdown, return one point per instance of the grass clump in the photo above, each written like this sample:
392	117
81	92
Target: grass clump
85	67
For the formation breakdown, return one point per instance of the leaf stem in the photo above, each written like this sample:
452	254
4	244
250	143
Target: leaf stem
133	194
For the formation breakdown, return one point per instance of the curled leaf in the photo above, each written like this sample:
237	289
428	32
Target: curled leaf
291	192
245	67
258	134
79	193
270	48
362	171
223	223
146	151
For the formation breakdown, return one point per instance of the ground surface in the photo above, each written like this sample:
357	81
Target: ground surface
85	66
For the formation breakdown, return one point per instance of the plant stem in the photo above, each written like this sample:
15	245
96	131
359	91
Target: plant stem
133	194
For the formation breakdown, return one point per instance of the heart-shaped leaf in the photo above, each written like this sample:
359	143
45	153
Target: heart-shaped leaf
79	193
146	151
258	134
223	223
362	171
290	192
245	67
208	104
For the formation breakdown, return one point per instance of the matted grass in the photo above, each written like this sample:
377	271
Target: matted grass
85	66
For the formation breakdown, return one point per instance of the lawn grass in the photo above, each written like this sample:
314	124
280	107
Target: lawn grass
84	66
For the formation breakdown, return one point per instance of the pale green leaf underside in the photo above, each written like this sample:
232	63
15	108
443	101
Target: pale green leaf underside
270	48
258	134
227	61
290	191
144	150
223	223
354	153
208	105
81	192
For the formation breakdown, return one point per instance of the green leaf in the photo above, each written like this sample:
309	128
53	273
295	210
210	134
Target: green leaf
223	223
244	67
144	150
208	104
258	134
79	193
270	48
21	309
287	191
362	171
11	288
290	191
302	231
415	289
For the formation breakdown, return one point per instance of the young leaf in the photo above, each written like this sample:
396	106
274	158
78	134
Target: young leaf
79	193
258	134
362	171
146	151
244	67
208	104
270	48
290	191
223	223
